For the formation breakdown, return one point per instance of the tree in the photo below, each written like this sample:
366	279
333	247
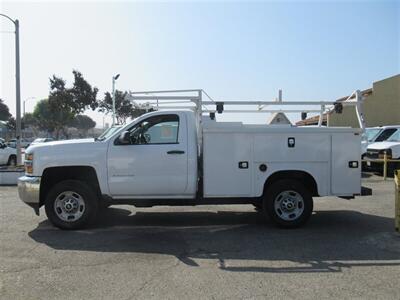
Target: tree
51	118
4	111
123	107
83	123
83	95
65	103
29	121
78	98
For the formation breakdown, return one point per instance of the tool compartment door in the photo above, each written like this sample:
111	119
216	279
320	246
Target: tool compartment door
345	180
225	173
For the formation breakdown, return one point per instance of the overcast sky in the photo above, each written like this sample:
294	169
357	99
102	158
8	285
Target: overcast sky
318	50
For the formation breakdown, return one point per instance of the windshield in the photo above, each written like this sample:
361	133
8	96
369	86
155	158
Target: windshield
371	133
108	132
395	137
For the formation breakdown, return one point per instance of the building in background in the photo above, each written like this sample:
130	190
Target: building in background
278	118
381	107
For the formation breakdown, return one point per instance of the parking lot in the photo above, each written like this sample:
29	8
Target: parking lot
348	250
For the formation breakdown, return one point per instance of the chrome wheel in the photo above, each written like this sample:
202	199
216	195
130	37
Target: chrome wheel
69	206
289	205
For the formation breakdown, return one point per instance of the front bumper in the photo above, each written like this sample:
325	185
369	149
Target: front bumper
29	191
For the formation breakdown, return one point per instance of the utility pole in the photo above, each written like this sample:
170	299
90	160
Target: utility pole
17	88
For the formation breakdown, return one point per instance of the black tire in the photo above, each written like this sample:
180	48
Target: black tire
294	188
12	161
391	167
86	194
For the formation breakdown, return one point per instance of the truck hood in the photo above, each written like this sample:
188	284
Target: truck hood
84	152
383	145
59	144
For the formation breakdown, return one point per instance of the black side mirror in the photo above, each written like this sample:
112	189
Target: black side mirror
124	138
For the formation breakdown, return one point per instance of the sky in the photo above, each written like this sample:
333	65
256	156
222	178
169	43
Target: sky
315	50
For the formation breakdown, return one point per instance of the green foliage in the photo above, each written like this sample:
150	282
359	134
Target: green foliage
76	99
83	122
83	95
124	108
50	117
64	104
29	120
4	111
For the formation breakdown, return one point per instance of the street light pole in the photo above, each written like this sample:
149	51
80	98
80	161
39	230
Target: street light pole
113	97
18	88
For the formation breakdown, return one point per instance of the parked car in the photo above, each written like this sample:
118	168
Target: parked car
8	155
377	150
13	143
171	158
376	134
41	140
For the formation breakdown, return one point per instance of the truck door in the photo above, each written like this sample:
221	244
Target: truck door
154	163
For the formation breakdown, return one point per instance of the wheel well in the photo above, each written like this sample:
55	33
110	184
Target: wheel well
12	156
54	175
305	178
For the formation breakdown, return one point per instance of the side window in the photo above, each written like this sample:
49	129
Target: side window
156	130
385	135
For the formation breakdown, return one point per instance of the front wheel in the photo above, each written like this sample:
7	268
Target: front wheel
288	203
71	204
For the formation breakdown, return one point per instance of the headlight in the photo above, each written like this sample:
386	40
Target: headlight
388	153
29	163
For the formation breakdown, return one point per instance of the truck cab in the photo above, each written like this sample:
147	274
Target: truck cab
155	157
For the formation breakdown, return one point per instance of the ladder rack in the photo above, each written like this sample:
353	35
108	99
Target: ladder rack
193	99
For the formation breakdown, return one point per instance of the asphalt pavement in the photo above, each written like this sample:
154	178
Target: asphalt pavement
349	249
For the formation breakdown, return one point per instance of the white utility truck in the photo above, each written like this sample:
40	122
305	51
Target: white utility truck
181	156
390	147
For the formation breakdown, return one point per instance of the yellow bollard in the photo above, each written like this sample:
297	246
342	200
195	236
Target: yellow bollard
397	200
384	165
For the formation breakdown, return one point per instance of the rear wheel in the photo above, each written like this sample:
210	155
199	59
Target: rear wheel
71	204
288	203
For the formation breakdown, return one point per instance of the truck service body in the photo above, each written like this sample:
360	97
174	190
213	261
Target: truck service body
171	157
